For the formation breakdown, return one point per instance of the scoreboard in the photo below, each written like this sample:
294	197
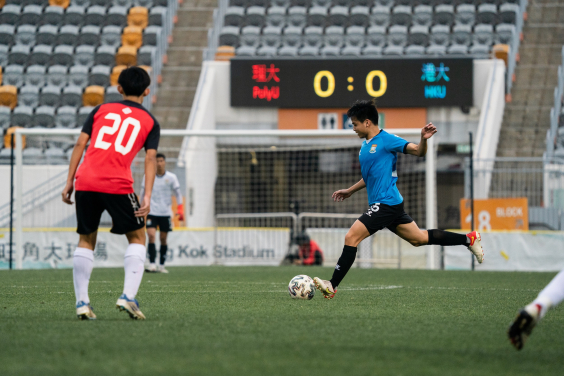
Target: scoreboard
332	83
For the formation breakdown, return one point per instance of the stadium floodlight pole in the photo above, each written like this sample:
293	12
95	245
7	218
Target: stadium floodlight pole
471	190
11	198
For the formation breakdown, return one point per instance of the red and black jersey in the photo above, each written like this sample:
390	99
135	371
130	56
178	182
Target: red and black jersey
117	132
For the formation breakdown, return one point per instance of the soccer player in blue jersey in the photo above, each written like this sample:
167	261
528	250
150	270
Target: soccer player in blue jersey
378	157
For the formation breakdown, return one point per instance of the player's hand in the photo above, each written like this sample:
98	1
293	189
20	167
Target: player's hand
67	193
180	212
145	208
428	131
341	195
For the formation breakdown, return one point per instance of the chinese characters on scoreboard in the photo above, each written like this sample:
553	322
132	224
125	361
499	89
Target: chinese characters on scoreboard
264	74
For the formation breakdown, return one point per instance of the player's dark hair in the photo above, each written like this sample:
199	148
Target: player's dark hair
134	81
161	155
363	110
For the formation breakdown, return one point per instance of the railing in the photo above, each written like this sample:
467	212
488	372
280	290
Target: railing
552	133
514	50
213	33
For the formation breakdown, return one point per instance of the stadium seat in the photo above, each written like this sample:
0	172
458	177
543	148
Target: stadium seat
321	3
84	55
105	55
57	75
333	41
270	41
95	15
457	49
93	96
444	14
375	40
338	16
44	116
10	14
29	96
397	36
401	15
112	95
359	16
249	41
229	36
68	35
66	117
21	115
50	96
422	15
72	96
13	75
465	14
280	3
82	3
415	50
393	49
487	14
255	16
483	34
479	49
5	115
33	155
151	36
440	35
297	16
312	40
31	14
52	15
276	16
111	36
127	55
25	35
62	55
144	3
354	41
418	35
157	16
317	16
291	41
138	16
55	155
47	34
461	34
504	33
133	36
508	13
78	76
7	33
18	54
116	71
83	113
74	15
380	16
59	3
35	75
117	16
89	35
8	96
99	75
234	16
436	50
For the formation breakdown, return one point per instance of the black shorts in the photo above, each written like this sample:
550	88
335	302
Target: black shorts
91	205
163	223
379	216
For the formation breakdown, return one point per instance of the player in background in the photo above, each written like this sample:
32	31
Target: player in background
378	157
118	131
166	184
522	327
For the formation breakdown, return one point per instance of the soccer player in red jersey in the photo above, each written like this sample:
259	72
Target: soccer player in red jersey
103	182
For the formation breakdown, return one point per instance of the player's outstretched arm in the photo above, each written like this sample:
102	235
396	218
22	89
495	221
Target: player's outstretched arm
74	161
420	150
346	193
150	173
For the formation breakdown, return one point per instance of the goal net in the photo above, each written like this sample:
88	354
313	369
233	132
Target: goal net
250	197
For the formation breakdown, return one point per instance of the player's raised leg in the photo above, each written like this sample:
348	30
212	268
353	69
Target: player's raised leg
163	250
357	233
83	263
152	249
530	315
134	261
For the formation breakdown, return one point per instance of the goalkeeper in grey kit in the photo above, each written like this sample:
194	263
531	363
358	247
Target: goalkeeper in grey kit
166	185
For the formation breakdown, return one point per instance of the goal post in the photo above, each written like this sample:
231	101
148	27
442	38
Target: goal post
211	160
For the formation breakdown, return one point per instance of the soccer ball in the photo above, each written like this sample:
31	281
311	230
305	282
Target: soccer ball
301	287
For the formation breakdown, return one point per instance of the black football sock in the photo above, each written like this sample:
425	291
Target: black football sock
152	253
440	237
163	250
343	265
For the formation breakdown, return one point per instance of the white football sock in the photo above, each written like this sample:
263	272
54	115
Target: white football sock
552	294
82	264
133	263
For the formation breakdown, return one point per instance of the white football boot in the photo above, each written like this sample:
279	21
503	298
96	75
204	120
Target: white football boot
131	306
476	246
325	287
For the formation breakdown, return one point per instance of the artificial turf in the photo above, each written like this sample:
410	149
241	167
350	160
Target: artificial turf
241	321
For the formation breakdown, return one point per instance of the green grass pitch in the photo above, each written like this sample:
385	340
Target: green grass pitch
241	321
